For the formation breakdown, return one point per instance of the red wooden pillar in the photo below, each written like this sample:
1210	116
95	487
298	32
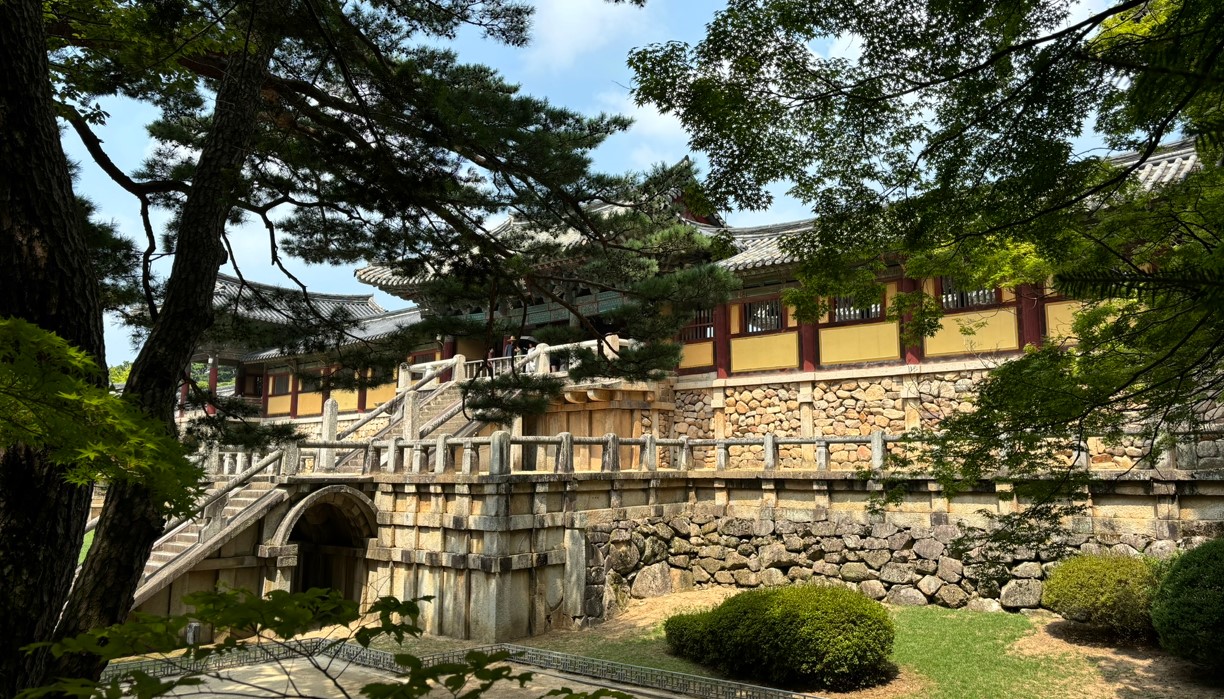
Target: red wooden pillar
913	353
361	391
182	406
448	352
263	399
1029	314
212	386
240	381
293	394
722	340
809	346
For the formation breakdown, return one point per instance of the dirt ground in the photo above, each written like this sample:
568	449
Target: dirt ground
1126	672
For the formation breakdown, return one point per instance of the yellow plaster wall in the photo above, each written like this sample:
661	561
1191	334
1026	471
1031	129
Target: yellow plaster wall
696	354
762	352
736	312
377	395
1058	317
866	342
278	405
346	400
997	332
310	403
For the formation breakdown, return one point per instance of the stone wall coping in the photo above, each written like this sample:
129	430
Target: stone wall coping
702	381
663	475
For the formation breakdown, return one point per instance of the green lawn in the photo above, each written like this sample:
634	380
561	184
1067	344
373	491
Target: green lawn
957	654
964	655
85	547
646	649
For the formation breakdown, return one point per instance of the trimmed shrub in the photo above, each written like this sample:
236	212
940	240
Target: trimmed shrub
1188	610
1108	590
687	636
802	636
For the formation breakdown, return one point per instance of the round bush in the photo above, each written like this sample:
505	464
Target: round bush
802	636
1188	610
1104	589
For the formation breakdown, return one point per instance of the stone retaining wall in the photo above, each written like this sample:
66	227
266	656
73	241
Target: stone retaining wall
904	565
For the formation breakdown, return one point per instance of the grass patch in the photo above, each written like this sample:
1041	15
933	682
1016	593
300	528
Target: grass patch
964	655
85	546
646	648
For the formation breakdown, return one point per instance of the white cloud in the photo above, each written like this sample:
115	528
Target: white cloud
653	138
847	46
565	30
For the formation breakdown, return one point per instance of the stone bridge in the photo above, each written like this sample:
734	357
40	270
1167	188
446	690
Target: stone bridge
513	536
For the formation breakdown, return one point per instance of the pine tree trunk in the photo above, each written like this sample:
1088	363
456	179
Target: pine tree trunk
131	521
45	265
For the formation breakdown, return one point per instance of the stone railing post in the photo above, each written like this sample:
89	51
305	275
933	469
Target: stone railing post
327	455
404	379
412	416
499	453
878	450
1081	457
395	454
650	453
565	453
457	368
722	455
442	455
686	454
291	459
471	459
611	453
543	365
822	455
771	451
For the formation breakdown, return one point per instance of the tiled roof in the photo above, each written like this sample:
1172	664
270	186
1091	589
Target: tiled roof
367	329
384	276
759	246
274	304
1169	164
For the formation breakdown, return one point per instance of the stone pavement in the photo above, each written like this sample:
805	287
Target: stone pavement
304	678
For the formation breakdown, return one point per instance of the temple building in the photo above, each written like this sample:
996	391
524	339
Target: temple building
765	436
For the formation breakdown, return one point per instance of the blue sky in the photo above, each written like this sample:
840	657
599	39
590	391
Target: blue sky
576	59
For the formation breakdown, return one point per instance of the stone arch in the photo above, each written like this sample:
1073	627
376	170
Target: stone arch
354	503
330	530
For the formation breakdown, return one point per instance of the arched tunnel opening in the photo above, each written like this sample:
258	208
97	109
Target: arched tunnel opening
331	551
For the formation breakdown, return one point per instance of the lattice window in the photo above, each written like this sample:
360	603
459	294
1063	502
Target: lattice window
279	385
700	328
953	298
845	310
762	316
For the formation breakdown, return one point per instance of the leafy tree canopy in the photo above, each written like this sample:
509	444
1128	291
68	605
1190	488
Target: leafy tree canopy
946	145
50	399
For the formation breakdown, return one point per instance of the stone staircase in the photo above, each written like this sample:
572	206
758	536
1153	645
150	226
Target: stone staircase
197	539
444	402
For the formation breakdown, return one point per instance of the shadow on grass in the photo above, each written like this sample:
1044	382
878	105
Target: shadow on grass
1137	666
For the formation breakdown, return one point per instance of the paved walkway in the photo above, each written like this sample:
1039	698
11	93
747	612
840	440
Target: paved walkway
303	678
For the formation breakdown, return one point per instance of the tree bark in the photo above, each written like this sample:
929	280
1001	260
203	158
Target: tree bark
48	281
131	521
